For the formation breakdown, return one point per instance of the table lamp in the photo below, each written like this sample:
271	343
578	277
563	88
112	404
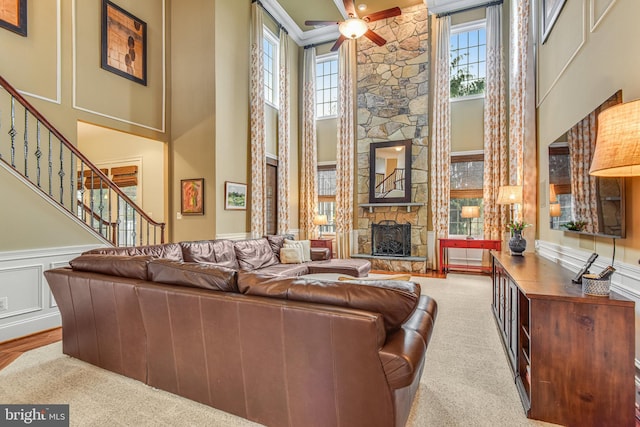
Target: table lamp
320	220
509	195
470	212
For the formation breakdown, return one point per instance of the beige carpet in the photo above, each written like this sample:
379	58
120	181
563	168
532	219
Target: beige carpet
466	381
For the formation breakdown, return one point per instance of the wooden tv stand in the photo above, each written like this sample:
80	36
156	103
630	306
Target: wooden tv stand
572	355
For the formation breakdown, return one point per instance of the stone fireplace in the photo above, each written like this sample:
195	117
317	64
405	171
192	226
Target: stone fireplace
388	238
392	90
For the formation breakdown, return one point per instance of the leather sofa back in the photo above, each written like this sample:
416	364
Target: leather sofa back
253	254
205	276
170	251
134	267
219	252
395	300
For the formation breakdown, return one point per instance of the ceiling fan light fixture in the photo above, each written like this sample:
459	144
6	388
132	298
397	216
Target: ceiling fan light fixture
353	28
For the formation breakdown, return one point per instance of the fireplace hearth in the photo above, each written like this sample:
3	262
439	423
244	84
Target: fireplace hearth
390	238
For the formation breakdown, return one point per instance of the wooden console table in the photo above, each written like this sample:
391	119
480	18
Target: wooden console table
571	355
465	244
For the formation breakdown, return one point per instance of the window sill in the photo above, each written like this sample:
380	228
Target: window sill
326	118
467	98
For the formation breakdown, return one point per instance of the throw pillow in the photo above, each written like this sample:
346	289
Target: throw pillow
291	255
306	247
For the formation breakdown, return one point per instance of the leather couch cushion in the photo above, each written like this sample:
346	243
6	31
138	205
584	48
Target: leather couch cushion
168	251
254	253
283	270
394	300
350	267
219	252
134	267
195	275
276	241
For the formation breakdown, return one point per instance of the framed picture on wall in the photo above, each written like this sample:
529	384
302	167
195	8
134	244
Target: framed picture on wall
550	10
192	196
124	43
13	16
235	196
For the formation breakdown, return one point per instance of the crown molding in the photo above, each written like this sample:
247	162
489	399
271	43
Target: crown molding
302	38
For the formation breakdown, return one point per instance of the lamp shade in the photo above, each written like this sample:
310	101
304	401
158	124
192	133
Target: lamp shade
618	142
554	209
470	212
320	220
509	194
353	28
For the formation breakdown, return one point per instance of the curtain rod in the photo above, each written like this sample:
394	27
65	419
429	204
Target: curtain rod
280	26
453	12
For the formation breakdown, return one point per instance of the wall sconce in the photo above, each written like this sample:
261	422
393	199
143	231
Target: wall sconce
554	210
618	142
470	212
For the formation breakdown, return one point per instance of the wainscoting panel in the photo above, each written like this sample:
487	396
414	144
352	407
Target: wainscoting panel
31	307
598	9
21	289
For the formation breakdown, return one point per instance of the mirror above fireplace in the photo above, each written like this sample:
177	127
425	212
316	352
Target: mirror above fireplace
390	172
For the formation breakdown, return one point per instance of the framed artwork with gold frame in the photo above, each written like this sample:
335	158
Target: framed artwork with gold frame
192	196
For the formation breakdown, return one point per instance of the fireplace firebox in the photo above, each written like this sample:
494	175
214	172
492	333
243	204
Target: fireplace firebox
390	238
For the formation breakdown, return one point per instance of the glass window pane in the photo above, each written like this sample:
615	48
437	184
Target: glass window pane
334	80
463	40
334	94
473	38
482	36
319	83
318	70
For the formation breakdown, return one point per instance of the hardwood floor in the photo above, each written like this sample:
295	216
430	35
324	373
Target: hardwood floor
11	350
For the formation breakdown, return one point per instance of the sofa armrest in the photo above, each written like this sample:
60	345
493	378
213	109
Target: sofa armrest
320	254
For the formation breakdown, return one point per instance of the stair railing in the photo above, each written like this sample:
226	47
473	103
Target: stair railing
57	168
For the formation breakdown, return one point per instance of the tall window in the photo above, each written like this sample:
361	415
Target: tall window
327	196
468	59
270	49
466	190
326	86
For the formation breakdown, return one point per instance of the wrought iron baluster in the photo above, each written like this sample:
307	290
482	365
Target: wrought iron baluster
38	153
83	189
140	225
110	192
148	232
91	210
50	166
100	208
26	143
13	132
61	173
117	242
72	192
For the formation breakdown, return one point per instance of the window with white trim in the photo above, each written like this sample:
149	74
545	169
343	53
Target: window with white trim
327	86
327	196
466	190
468	53
270	62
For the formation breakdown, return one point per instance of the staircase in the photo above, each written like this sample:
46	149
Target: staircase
44	159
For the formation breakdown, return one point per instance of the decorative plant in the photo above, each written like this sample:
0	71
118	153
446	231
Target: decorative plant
575	225
517	226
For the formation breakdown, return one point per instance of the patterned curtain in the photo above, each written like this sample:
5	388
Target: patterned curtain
518	90
258	144
441	138
582	143
495	133
309	161
283	134
345	155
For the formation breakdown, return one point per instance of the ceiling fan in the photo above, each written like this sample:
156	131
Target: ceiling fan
354	27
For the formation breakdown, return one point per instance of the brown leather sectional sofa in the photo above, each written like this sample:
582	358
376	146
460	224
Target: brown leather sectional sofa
262	344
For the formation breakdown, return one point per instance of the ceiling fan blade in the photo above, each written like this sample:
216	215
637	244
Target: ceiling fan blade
336	46
394	11
350	7
314	23
374	37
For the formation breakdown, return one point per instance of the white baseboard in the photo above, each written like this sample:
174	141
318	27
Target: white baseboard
32	307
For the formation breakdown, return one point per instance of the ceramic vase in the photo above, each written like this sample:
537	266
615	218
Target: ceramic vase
517	244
